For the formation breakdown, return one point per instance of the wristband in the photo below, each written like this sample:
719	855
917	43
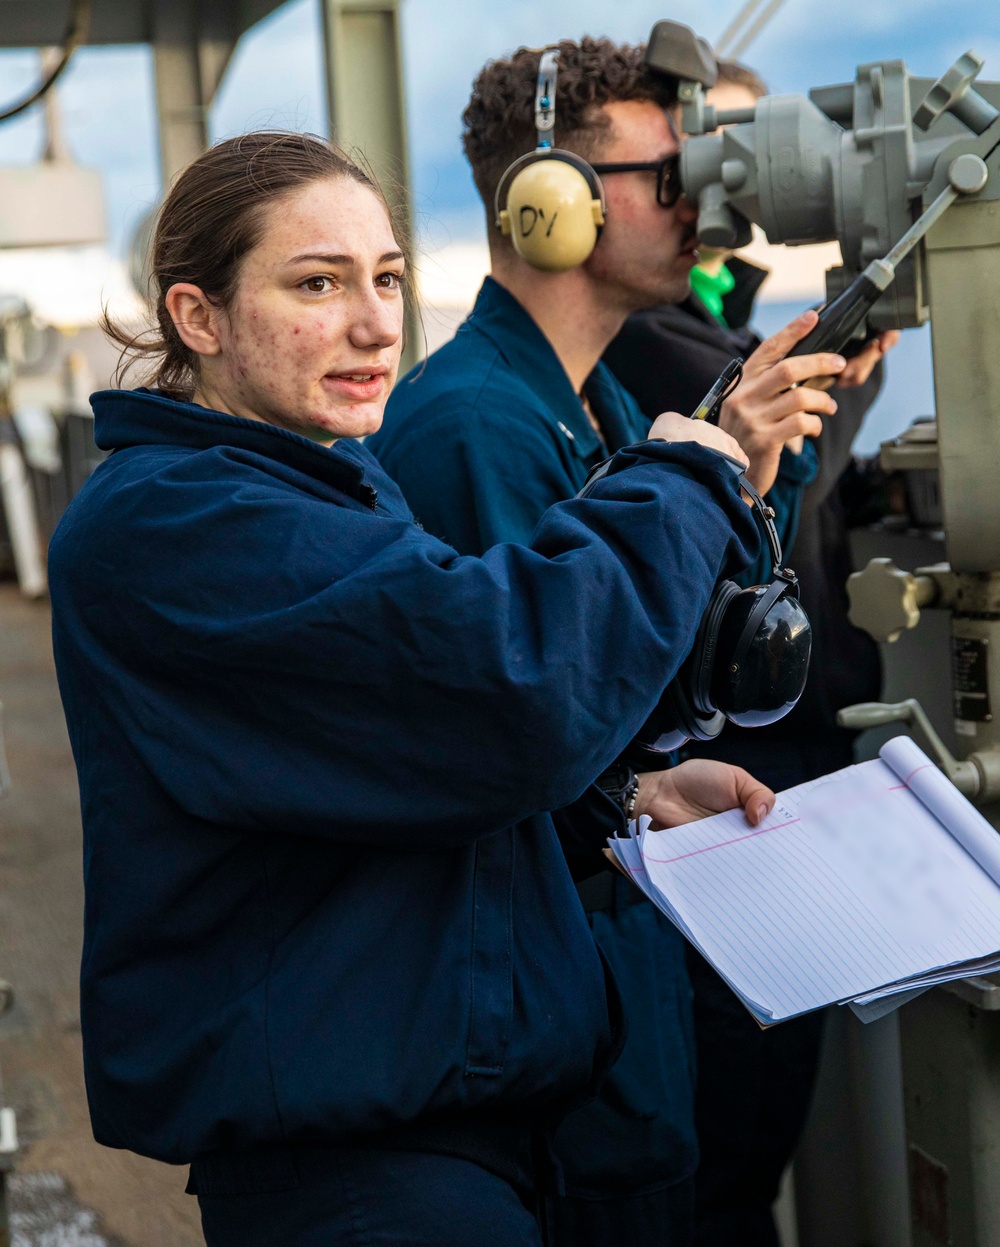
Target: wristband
621	784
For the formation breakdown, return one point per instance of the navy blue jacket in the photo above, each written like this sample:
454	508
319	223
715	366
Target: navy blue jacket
314	748
488	432
482	438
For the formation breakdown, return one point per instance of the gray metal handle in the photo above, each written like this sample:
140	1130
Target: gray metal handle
964	775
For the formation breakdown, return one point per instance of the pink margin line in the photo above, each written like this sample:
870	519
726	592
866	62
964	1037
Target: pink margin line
666	861
906	782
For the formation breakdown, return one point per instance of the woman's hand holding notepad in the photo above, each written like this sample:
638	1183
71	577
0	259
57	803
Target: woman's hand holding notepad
880	878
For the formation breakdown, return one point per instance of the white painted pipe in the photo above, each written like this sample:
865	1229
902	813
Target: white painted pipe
8	1131
5	782
22	523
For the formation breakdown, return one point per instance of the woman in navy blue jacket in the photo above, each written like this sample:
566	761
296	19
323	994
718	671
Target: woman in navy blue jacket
333	954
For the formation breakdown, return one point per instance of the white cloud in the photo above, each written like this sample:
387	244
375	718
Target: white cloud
70	286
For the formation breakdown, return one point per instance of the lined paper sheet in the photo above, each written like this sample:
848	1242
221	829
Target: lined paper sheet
873	1008
968	826
851	885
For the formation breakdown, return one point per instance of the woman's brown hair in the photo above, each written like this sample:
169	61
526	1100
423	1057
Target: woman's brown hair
212	217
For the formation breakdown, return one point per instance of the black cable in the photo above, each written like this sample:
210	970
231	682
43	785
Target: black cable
76	33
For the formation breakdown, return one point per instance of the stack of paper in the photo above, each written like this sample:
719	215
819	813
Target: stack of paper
863	887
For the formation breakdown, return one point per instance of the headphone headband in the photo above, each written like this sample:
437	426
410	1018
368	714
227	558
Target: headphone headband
545	97
782	579
547	186
711	686
764	516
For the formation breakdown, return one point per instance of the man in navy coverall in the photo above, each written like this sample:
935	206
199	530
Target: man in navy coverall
506	420
754	1087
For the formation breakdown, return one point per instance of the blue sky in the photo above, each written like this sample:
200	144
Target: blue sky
276	79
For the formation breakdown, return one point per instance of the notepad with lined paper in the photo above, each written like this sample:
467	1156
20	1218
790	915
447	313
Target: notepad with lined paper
862	887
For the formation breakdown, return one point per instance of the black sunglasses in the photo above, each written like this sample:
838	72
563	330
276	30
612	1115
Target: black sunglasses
667	170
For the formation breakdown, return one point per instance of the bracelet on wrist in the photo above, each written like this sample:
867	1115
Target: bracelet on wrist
633	796
621	784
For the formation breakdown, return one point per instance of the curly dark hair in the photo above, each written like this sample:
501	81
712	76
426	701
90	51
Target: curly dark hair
499	122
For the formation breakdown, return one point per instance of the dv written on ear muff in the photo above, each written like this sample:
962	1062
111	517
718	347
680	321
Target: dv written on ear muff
550	202
750	657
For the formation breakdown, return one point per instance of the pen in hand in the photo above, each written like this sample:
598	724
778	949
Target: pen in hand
727	381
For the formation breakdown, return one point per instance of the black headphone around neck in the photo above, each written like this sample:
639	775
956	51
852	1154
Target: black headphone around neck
750	657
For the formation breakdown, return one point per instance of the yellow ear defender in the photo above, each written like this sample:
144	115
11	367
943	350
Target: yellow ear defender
553	201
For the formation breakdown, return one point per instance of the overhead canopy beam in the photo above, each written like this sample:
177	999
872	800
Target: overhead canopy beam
364	81
41	23
192	44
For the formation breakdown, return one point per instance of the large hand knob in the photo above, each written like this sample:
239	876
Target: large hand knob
885	599
953	93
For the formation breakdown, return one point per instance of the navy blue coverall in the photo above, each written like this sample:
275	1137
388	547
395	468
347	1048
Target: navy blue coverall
754	1086
482	438
333	953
